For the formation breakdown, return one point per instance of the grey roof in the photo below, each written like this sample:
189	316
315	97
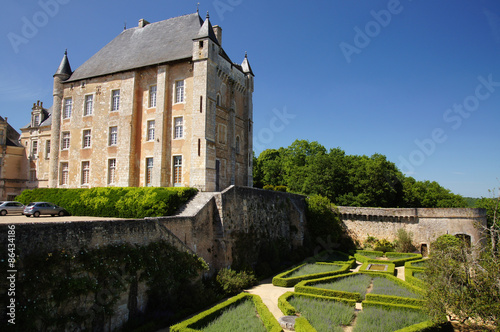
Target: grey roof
245	66
207	30
47	121
64	67
152	44
12	135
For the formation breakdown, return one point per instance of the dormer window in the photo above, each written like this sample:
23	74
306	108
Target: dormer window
36	120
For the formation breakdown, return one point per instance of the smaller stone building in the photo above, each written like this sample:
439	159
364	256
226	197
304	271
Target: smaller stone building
13	168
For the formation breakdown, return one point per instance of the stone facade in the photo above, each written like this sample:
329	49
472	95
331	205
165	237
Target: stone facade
13	163
425	224
178	120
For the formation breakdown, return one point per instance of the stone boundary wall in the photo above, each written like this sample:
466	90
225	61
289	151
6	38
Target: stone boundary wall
426	224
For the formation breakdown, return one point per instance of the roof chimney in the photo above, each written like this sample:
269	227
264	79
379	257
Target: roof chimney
143	23
218	33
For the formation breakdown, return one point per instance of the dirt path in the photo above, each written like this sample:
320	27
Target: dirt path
269	295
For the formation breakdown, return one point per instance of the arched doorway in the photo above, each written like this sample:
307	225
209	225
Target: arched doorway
424	250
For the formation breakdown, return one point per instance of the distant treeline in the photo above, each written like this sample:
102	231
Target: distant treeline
347	180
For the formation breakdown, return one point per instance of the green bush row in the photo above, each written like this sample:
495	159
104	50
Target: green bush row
282	281
410	265
394	300
402	283
391	268
303	325
398	262
121	202
412	280
303	287
388	306
204	318
333	256
289	310
275	188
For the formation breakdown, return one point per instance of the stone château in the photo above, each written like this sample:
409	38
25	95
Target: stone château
161	105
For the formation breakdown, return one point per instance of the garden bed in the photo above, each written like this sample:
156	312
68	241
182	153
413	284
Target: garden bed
308	271
396	258
244	312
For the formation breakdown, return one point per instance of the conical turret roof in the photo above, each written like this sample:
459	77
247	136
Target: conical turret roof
64	67
207	30
245	65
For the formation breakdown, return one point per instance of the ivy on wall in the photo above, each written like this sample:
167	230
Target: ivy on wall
67	290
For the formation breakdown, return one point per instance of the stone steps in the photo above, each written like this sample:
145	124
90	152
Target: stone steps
195	204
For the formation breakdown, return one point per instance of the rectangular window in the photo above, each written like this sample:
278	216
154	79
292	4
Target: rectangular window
151	130
87	138
68	106
149	171
111	171
179	127
33	175
221	134
89	105
85	172
179	91
34	149
115	100
65	140
177	171
47	149
36	121
2	138
64	174
113	136
152	96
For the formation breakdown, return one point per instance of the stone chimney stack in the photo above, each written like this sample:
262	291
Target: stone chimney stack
218	33
143	23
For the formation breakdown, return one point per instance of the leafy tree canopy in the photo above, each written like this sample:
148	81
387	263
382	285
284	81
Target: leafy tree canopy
350	180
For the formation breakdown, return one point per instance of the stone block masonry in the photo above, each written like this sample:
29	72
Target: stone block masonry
426	224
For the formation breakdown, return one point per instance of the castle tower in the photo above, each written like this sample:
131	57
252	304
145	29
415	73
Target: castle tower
245	65
61	75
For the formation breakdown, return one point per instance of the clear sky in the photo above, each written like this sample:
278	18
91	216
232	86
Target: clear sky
417	81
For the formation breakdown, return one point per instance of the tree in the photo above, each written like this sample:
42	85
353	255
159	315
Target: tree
462	282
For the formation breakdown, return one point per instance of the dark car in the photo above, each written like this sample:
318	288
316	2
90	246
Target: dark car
10	207
36	209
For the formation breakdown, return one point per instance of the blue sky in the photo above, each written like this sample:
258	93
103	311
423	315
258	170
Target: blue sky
417	81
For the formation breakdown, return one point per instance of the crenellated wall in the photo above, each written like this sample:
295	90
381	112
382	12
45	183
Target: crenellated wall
426	224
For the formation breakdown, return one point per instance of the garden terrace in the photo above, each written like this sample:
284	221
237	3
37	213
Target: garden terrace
396	258
309	271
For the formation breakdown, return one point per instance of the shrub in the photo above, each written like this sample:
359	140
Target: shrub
383	245
113	202
280	188
233	282
323	221
404	241
268	187
308	271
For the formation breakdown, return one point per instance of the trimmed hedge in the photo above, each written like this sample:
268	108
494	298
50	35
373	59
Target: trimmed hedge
303	287
388	306
121	202
197	322
397	262
391	268
303	325
402	283
394	300
327	255
414	281
287	309
411	266
282	281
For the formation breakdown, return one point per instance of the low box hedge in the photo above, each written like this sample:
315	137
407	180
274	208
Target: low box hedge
410	264
412	280
287	309
303	325
281	280
394	300
333	256
204	318
360	257
388	306
403	283
120	202
391	268
307	287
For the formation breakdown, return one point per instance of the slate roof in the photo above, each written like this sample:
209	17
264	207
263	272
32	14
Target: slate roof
47	119
12	135
152	44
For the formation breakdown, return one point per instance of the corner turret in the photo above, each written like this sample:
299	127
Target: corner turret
64	70
245	65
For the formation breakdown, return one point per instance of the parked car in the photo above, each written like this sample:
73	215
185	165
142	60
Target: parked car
10	207
36	209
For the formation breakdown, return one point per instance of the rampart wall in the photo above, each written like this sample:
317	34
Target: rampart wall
425	224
